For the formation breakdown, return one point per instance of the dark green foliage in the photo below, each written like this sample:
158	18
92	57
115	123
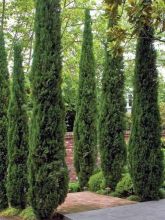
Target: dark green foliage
48	174
124	188
17	183
96	182
112	113
145	155
85	130
4	94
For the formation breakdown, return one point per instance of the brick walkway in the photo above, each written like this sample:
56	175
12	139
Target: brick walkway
85	201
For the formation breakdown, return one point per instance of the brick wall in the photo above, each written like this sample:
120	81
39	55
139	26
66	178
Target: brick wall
69	155
69	142
69	152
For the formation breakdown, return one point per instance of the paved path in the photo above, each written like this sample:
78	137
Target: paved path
140	211
86	201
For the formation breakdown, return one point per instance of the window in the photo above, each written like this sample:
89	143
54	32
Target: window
130	100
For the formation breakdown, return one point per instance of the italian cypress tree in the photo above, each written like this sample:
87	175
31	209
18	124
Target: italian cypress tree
85	130
48	174
145	156
112	110
4	94
17	136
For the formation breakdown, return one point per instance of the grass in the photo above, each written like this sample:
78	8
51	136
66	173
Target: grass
26	214
10	212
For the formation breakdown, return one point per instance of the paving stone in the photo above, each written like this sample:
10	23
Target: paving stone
141	211
85	201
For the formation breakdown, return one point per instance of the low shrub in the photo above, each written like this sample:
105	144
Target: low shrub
114	194
102	192
162	193
163	185
125	187
10	212
134	198
74	187
27	214
96	182
163	143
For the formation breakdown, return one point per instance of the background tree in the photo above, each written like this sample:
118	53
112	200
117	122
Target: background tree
112	109
48	174
145	156
22	13
85	131
18	23
17	136
4	95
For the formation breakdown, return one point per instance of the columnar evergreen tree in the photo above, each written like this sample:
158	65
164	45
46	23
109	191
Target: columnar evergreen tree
112	109
85	130
17	136
48	174
4	94
145	156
